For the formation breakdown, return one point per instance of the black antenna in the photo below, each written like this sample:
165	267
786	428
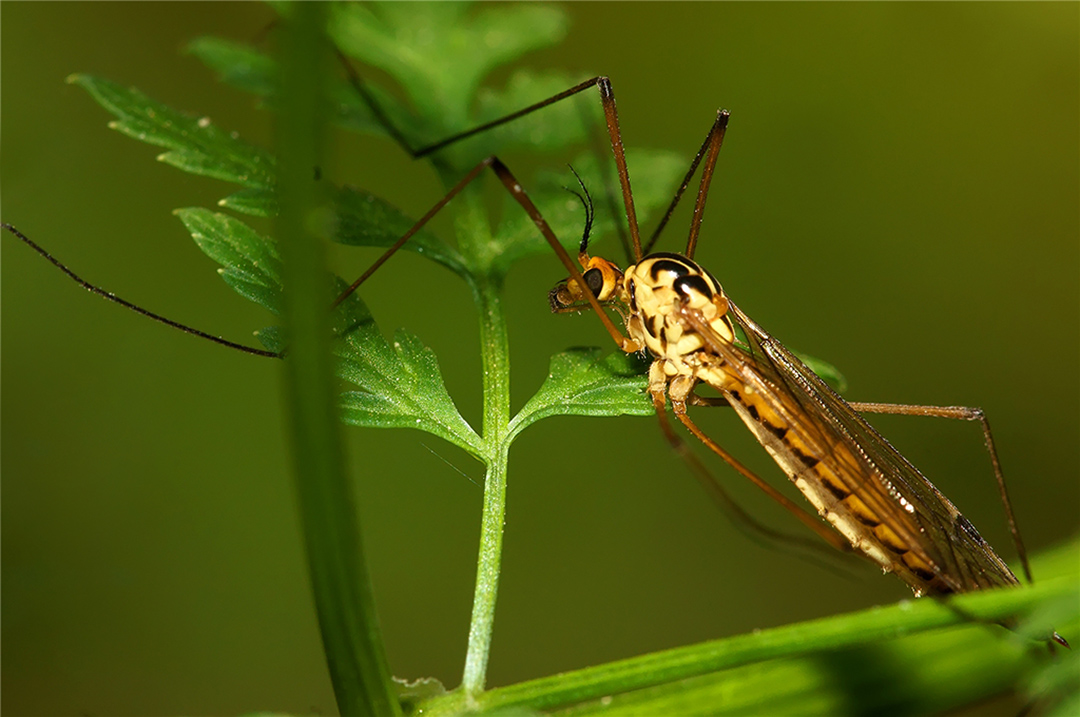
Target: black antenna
590	213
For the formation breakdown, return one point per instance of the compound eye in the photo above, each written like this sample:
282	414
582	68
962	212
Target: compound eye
594	279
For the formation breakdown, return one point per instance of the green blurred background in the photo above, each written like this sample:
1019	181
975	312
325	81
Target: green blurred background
898	194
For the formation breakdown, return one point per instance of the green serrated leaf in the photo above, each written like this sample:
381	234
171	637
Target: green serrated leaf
402	387
256	202
250	263
195	144
352	112
237	64
580	383
366	220
412	43
245	68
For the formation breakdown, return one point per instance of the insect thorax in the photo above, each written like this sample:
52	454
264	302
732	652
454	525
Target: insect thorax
656	289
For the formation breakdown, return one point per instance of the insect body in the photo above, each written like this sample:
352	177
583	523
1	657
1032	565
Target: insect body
872	499
856	480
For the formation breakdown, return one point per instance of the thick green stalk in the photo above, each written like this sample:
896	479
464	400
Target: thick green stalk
339	577
495	357
859	634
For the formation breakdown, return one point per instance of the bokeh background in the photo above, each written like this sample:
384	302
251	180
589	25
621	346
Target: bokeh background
898	194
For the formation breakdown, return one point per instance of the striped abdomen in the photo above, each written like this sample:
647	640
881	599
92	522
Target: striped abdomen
839	486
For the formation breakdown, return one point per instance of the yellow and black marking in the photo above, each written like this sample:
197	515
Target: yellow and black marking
654	289
678	311
830	477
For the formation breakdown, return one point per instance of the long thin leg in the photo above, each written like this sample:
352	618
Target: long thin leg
518	193
713	140
751	527
472	174
611	117
955	412
133	307
376	109
607	100
501	171
808	519
454	191
521	197
380	115
608	177
707	401
962	413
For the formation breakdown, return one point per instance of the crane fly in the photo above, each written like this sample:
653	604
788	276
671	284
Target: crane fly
863	488
868	498
872	499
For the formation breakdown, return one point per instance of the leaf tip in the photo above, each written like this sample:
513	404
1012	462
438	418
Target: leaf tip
75	78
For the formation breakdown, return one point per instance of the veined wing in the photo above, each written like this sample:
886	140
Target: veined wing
886	482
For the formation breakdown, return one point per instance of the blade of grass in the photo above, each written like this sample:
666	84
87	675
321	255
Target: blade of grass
339	576
843	632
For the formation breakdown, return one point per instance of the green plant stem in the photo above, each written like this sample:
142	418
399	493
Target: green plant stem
495	365
340	582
